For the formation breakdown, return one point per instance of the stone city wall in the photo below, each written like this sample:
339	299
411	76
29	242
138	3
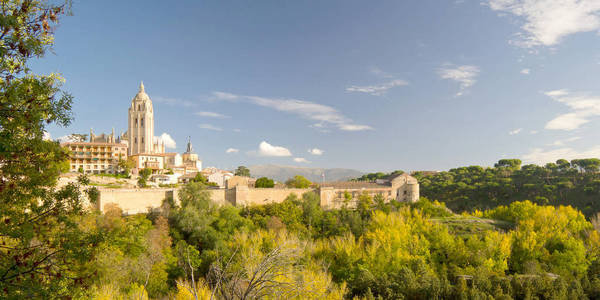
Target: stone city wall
245	196
134	201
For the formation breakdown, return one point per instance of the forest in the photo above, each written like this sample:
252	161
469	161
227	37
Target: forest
575	183
294	249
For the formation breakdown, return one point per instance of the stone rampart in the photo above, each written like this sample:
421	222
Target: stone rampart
134	201
245	196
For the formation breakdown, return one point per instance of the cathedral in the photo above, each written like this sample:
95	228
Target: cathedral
139	136
140	126
102	152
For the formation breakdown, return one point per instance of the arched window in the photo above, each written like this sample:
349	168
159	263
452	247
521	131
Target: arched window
142	122
139	107
142	140
135	122
135	140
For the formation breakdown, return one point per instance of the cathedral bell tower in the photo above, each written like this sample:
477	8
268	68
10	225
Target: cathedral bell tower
140	128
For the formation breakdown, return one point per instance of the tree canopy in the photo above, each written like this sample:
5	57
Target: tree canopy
299	182
575	183
242	171
44	252
264	182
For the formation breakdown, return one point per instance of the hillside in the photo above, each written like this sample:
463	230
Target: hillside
575	183
282	173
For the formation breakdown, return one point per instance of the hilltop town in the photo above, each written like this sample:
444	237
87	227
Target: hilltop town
133	171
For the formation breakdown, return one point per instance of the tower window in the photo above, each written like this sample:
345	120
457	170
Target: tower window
135	122
135	140
142	140
139	107
142	122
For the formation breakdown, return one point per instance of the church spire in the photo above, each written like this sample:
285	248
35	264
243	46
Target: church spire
189	149
142	87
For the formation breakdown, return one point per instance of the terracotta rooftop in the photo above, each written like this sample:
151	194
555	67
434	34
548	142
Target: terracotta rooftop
93	144
152	154
354	185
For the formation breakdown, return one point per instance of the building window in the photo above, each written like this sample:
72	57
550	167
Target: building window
135	140
142	122
135	122
139	107
142	140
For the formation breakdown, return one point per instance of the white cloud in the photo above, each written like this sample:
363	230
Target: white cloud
225	96
209	127
562	142
465	75
525	71
516	131
167	140
47	136
547	22
533	132
583	108
315	151
541	156
568	121
211	114
354	127
557	93
305	109
232	150
266	149
377	90
237	130
380	73
301	160
173	101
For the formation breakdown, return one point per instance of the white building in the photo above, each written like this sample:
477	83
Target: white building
166	178
217	176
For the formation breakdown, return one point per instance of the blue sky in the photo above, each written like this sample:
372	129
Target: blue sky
372	85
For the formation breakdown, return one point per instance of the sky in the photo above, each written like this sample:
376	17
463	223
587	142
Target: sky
368	85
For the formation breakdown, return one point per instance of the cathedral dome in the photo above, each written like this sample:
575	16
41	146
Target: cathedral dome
141	95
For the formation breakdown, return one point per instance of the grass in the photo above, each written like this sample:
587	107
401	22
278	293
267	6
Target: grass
107	185
112	175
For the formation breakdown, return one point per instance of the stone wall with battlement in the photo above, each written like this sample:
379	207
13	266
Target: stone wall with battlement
134	201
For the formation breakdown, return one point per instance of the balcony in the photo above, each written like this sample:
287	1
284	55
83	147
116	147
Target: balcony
152	165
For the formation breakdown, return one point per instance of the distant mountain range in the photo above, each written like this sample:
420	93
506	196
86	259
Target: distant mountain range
283	173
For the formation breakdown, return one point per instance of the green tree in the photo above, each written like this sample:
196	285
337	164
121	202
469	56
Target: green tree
299	182
143	176
44	253
365	202
563	164
512	164
125	165
200	178
264	182
588	165
242	171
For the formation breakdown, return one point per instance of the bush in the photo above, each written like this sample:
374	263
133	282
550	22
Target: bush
299	182
264	182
